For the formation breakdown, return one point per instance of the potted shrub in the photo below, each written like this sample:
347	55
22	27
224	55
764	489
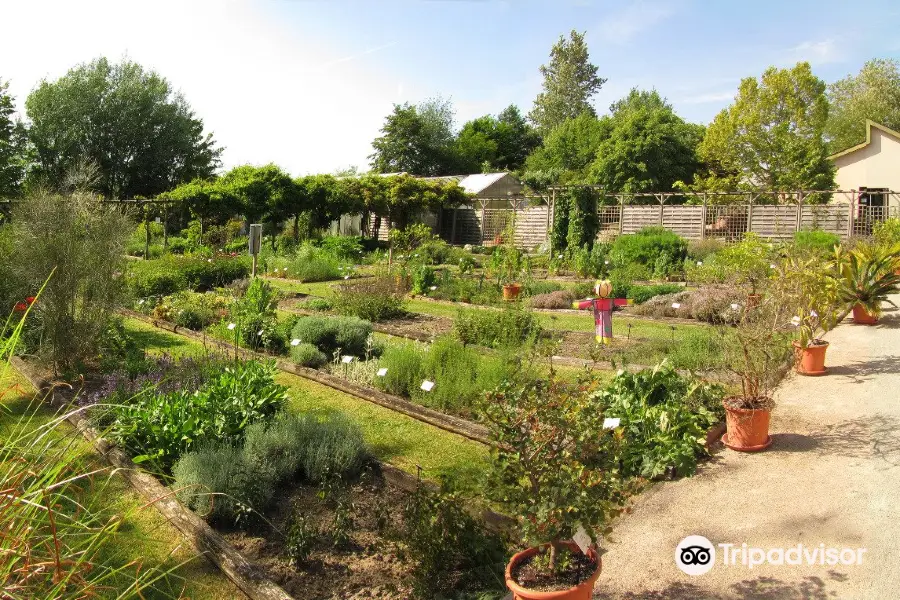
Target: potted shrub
556	467
507	264
758	352
866	275
810	293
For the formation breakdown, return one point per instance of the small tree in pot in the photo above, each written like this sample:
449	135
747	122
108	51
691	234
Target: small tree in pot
757	349
556	467
810	292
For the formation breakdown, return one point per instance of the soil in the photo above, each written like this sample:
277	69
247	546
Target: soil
738	402
367	567
416	323
578	344
536	577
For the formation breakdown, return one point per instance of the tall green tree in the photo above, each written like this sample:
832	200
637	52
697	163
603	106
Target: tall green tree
772	136
570	149
648	147
12	146
418	140
476	145
142	135
872	94
570	80
265	194
500	143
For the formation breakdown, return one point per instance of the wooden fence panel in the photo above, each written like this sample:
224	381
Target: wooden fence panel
774	222
685	220
635	218
531	226
833	218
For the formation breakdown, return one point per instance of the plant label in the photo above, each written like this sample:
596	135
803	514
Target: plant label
676	305
158	220
382	372
611	423
699	263
346	359
735	306
427	386
582	539
432	288
295	342
346	277
231	326
259	333
773	266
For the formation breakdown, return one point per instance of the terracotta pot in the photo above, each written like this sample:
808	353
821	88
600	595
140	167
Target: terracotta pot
582	591
753	300
511	291
748	430
810	360
862	317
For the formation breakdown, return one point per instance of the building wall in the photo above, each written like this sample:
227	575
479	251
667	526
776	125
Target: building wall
874	166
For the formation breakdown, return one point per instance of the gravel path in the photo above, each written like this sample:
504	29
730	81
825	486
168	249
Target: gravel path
831	476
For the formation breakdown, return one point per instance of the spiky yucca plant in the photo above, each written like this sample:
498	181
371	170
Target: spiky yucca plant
866	275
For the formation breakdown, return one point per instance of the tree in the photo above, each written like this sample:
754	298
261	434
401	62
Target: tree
408	196
772	136
570	80
205	200
648	148
571	148
12	146
143	136
500	143
264	194
873	94
416	139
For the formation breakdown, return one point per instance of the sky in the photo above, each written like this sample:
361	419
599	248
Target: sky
306	84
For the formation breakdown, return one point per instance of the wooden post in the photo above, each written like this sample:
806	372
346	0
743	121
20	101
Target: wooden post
146	233
662	200
850	213
166	228
549	224
482	221
453	227
703	219
750	214
621	213
799	210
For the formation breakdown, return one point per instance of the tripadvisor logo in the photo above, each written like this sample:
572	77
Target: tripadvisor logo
696	555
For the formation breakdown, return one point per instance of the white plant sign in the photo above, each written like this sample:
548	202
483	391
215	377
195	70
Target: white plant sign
427	386
346	359
382	372
611	423
582	539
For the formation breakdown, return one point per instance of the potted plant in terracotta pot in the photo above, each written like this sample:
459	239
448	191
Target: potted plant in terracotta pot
758	351
810	293
866	276
556	468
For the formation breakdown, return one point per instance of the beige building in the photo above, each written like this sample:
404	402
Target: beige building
872	168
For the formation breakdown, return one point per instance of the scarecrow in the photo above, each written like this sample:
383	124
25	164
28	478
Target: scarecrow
603	307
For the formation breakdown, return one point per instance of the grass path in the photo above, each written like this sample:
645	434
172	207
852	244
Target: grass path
394	438
144	538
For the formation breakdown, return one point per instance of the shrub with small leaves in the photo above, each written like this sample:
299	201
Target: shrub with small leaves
509	327
376	299
330	334
307	355
317	304
301	539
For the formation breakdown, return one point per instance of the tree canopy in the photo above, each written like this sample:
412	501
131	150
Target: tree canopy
872	94
647	148
142	136
571	148
500	143
771	136
570	81
417	139
12	146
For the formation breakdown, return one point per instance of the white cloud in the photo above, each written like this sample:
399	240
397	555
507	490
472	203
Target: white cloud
623	26
819	52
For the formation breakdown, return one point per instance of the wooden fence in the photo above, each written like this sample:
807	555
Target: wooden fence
848	214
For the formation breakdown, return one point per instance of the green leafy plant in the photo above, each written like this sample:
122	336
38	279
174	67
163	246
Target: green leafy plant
301	539
404	369
376	299
307	355
160	427
747	263
810	292
510	327
175	273
816	240
664	418
554	465
317	304
647	246
348	335
887	232
866	275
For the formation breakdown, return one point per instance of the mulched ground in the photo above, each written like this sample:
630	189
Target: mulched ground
367	567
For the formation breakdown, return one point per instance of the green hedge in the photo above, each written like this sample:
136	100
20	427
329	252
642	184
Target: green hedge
650	247
175	273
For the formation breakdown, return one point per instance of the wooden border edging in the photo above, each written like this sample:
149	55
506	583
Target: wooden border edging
247	576
457	425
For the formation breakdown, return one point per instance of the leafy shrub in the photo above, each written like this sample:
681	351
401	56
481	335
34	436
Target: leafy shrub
642	293
218	484
375	299
560	299
509	327
307	355
649	246
887	232
347	248
535	287
447	547
475	290
435	251
422	279
81	242
308	264
329	334
301	539
404	369
821	242
701	249
665	418
317	304
191	309
255	318
161	426
746	263
175	273
453	368
591	263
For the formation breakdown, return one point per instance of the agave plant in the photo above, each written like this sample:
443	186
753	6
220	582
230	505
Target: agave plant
866	275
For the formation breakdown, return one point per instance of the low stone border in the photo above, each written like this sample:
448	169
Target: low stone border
457	425
247	576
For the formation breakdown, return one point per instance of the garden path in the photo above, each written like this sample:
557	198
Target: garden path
831	476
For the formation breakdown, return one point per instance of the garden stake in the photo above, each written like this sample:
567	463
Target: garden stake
629	331
673	333
602	307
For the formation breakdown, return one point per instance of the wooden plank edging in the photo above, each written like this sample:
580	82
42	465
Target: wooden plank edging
247	576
